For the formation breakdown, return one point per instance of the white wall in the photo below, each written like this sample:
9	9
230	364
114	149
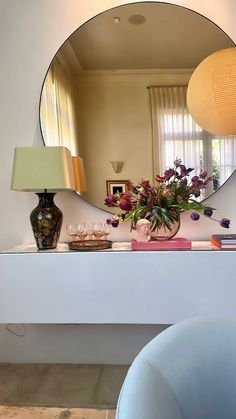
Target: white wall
31	31
93	344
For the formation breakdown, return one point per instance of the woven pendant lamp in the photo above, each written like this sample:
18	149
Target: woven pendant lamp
211	94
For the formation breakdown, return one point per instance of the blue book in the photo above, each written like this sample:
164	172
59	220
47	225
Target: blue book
224	238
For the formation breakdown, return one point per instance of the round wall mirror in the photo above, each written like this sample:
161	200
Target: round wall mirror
115	95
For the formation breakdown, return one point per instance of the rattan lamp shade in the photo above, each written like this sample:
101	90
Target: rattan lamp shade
211	94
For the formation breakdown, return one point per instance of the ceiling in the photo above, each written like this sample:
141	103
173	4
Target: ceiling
171	37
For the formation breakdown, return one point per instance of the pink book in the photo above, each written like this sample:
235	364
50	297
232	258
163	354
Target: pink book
177	243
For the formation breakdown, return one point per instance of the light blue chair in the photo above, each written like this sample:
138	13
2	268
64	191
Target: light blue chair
186	372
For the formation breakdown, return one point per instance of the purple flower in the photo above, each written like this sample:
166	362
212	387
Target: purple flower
225	222
198	183
183	170
190	169
130	185
203	175
169	173
183	182
115	223
195	216
145	183
110	200
150	200
109	221
208	212
125	204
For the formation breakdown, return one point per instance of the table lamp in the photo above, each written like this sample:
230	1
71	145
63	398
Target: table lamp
41	169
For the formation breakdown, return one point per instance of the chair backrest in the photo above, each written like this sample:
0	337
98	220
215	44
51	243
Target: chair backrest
192	368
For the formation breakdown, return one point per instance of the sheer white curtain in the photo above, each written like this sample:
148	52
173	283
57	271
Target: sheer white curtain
57	109
224	156
48	111
175	134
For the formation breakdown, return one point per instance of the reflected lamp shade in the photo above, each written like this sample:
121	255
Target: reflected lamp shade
211	94
79	173
42	169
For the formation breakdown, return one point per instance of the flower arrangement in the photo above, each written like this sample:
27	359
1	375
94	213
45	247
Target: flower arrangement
162	203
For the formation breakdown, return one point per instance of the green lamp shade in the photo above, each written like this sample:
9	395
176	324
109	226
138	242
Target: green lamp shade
39	168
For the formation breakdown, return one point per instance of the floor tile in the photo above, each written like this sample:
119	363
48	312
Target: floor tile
61	385
16	412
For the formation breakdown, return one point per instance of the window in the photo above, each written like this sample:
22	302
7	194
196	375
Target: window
176	135
57	108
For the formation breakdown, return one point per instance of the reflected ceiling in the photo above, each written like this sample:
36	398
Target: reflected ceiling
172	37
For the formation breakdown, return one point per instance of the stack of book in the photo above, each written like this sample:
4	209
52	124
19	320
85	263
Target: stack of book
224	241
177	243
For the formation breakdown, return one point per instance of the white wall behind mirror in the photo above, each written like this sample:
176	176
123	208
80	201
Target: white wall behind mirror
97	99
40	33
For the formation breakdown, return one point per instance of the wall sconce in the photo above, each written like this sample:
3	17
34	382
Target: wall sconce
117	166
211	93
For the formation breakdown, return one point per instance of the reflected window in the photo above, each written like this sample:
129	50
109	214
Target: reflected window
176	134
57	108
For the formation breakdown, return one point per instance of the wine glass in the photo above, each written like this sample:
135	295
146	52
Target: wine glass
82	231
72	230
90	230
98	231
106	230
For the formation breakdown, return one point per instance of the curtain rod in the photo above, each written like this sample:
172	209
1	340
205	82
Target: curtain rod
179	85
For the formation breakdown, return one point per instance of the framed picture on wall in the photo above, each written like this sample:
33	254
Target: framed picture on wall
114	186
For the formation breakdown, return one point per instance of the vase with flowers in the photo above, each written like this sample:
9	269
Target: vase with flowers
162	203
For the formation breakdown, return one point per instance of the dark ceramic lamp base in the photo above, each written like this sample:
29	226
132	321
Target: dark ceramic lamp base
46	221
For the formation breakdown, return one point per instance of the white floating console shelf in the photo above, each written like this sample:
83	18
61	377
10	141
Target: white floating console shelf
119	287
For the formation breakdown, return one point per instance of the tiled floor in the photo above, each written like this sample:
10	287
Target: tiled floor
54	413
59	391
61	385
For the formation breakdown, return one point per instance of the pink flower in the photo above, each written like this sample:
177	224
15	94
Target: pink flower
160	178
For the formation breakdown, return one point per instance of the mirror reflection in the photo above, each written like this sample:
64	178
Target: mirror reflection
115	94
